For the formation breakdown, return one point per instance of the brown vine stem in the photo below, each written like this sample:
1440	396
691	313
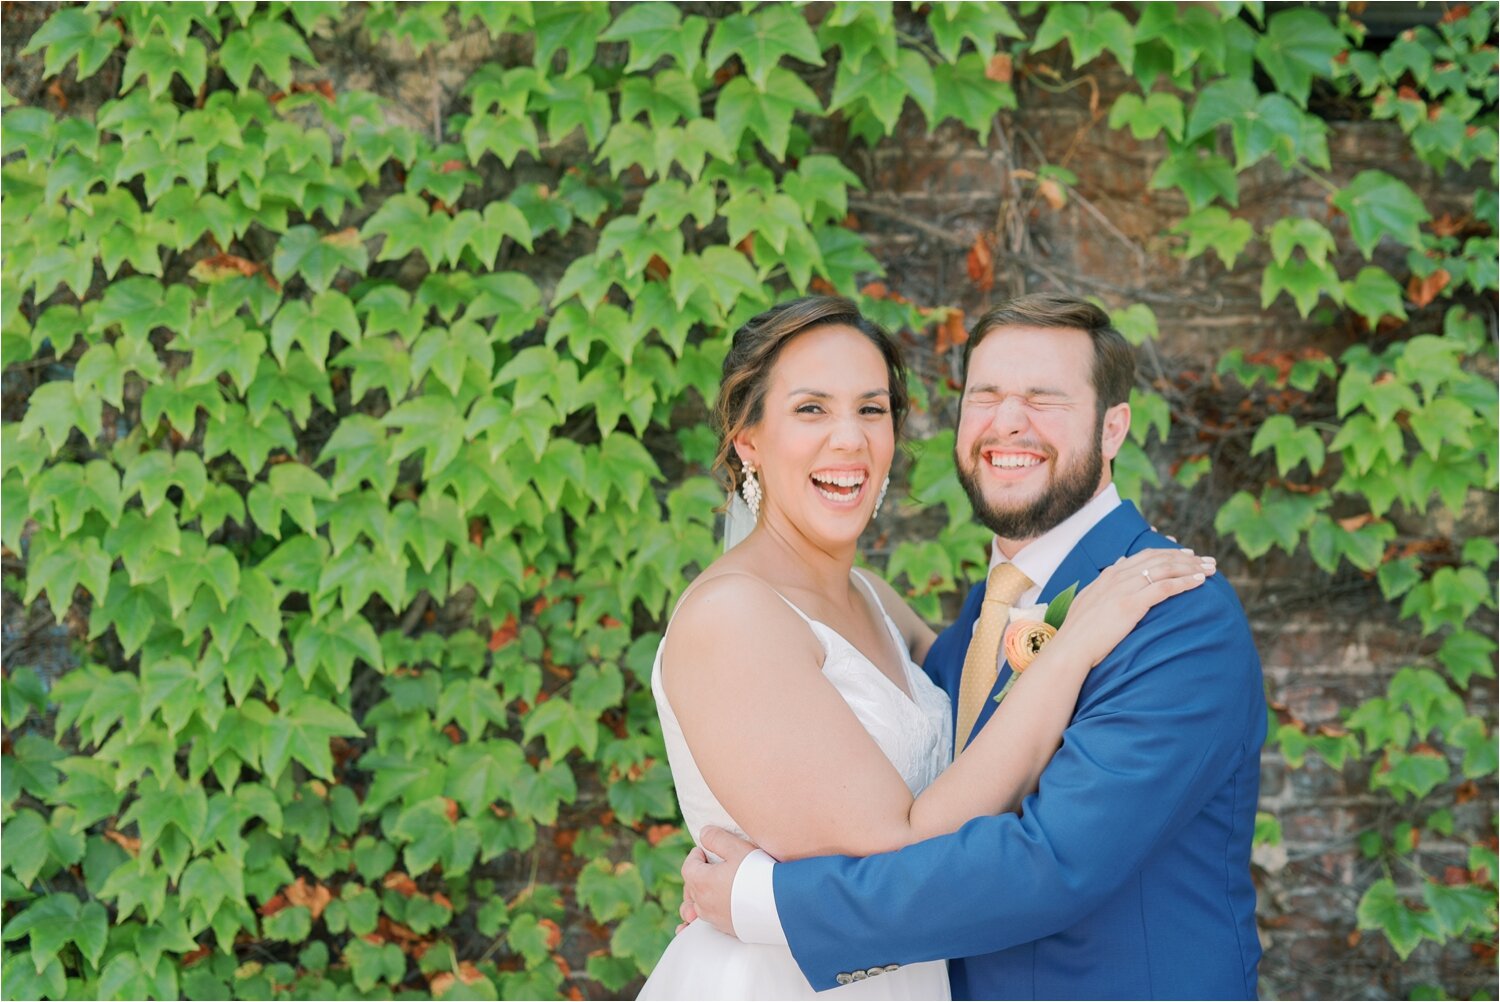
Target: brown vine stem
1313	175
920	46
1088	206
1065	279
437	102
906	219
414	613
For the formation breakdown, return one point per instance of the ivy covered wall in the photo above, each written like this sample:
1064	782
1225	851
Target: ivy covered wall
355	367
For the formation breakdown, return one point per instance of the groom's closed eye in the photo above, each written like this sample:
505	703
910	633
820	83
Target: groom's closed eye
1036	398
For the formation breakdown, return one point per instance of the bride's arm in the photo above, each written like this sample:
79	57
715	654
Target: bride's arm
792	764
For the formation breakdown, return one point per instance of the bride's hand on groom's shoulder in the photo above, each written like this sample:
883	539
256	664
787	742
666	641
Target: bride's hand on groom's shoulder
1107	610
707	884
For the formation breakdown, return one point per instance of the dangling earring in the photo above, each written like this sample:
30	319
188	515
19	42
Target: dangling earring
880	498
750	490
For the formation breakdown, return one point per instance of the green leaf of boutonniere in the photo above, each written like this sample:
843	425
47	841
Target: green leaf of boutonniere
1057	609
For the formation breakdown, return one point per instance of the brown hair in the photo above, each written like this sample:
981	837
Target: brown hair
1114	361
754	350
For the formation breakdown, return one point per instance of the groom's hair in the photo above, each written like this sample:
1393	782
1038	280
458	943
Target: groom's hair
1114	361
753	353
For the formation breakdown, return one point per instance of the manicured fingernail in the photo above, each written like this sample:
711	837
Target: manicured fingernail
1198	577
1207	560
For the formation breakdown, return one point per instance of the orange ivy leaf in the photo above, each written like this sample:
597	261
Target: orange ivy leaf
313	897
981	264
1424	290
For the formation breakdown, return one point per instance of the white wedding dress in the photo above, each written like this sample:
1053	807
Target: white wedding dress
915	733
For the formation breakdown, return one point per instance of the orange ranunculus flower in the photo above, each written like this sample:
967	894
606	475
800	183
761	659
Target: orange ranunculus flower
1024	640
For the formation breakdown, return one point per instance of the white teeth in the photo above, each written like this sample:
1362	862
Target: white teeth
840	498
1013	462
843	480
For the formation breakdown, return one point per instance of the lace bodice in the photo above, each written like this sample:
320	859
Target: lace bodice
915	733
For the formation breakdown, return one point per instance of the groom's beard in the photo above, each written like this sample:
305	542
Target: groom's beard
1068	490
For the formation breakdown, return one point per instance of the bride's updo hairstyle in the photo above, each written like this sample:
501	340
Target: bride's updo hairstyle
756	346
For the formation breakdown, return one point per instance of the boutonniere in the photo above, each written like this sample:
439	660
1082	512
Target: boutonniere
1029	630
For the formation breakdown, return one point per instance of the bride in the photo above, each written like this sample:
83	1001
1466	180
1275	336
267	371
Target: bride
791	701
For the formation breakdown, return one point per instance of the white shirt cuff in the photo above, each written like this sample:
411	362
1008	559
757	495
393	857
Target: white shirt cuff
752	902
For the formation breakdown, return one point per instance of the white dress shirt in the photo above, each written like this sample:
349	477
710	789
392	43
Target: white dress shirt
752	900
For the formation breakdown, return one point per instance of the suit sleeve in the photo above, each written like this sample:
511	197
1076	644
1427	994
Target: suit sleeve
1161	726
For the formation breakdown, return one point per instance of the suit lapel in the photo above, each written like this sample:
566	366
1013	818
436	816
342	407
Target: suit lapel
1101	546
1105	543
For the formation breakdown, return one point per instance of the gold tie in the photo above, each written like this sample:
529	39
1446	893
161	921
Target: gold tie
982	662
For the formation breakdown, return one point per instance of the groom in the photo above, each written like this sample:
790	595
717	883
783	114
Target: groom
1127	874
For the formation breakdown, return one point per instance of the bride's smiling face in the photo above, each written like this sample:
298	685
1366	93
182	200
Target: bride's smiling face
825	440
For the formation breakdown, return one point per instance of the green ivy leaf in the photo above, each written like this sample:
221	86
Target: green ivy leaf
268	44
75	32
163	163
1304	280
1215	228
333	647
290	925
1199	175
1299	45
251	444
655	31
361	453
1147	119
318	257
572	27
138	305
506	136
644	934
760	40
158	59
301	730
1088	30
610	891
59	571
434	838
89	788
980	23
291	488
1193	35
407	224
53	921
374	964
1293	445
1290	233
103	367
220	348
1374	294
1378	205
1466	654
433	425
766	112
884	87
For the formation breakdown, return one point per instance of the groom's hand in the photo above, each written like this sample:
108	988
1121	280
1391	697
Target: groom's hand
707	885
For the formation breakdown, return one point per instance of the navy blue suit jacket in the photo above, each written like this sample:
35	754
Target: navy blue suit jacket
1127	874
